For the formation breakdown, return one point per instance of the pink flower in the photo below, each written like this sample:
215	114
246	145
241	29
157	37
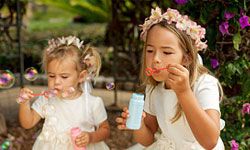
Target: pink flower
224	28
246	109
214	63
201	45
229	15
234	145
244	21
181	2
172	15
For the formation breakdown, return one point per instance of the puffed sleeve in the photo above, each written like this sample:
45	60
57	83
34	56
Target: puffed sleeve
148	104
38	105
207	92
99	111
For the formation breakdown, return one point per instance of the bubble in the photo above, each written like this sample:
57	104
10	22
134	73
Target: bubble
7	79
68	92
51	121
50	93
5	145
31	74
110	85
48	110
20	100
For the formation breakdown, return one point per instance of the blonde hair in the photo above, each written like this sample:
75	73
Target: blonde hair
190	52
77	54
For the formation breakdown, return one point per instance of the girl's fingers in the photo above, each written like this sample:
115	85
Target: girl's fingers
121	127
125	109
177	66
119	120
143	115
82	139
26	90
174	70
125	115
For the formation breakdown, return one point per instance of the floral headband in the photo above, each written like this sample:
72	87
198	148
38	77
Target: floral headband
70	40
183	23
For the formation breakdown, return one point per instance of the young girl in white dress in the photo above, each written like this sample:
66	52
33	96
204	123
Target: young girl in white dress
68	64
181	98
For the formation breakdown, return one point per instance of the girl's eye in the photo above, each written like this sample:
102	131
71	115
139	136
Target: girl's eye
167	53
51	76
64	77
149	51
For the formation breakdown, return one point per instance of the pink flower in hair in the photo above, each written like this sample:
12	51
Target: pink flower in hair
172	15
155	14
201	45
183	23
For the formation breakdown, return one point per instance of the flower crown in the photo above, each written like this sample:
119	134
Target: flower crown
183	23
70	40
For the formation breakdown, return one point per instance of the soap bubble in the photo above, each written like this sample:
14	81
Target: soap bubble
5	145
50	93
31	74
68	92
7	79
110	85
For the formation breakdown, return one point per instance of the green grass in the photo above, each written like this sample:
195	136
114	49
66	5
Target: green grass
49	19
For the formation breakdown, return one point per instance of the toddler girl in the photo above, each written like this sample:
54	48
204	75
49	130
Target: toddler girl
69	65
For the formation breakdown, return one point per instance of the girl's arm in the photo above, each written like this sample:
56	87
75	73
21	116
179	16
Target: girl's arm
28	117
102	133
204	124
145	135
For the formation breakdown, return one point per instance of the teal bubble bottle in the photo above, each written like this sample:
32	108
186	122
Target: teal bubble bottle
135	111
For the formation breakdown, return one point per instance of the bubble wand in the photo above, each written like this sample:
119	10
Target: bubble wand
47	93
150	71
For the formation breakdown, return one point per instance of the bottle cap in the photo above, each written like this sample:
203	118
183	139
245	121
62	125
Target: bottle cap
75	130
137	96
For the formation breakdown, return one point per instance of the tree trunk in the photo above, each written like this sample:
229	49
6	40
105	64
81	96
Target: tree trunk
3	128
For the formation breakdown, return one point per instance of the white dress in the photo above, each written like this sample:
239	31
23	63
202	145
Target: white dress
62	115
162	103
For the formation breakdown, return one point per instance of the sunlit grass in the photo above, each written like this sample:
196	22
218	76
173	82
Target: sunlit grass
48	18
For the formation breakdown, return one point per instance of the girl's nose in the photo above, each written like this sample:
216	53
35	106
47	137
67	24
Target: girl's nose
157	58
57	81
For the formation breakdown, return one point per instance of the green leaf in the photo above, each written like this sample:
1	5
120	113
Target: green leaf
237	40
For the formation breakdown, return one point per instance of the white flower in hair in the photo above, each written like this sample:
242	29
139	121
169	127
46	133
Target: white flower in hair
171	15
90	62
62	40
155	14
78	43
70	40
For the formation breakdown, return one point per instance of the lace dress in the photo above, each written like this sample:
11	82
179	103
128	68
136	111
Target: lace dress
62	115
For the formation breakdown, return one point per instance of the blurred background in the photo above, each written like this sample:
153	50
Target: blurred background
113	27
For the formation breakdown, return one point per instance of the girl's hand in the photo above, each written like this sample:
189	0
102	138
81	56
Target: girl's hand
123	119
25	95
178	78
83	139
